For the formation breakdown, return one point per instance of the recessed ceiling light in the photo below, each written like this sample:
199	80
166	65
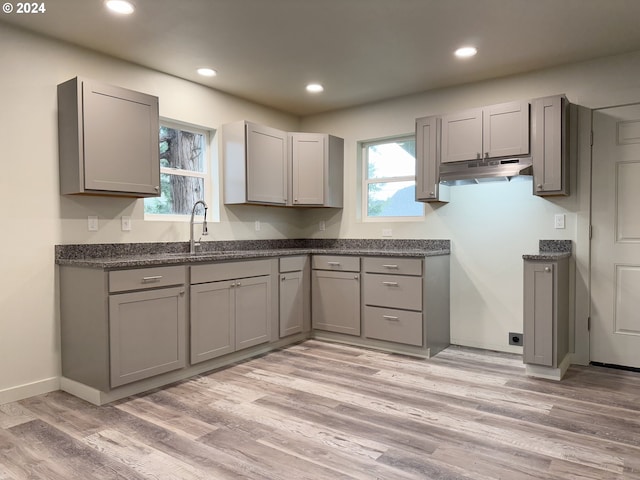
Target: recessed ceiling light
207	72
315	88
120	6
466	52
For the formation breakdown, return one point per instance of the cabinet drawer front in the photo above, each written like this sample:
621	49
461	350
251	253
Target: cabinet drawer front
398	266
338	263
215	272
142	278
293	264
393	325
393	291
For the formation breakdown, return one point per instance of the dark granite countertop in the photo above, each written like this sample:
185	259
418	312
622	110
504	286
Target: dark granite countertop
132	255
551	250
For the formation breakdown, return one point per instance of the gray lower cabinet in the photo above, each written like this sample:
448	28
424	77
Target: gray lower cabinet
335	293
108	140
121	326
294	295
393	295
546	312
230	307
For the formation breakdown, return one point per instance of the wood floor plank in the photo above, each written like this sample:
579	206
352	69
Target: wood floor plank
319	410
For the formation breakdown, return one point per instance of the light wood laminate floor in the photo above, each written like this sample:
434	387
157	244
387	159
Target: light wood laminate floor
326	411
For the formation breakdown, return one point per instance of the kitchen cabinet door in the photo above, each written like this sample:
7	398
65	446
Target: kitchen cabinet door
291	303
255	164
108	140
317	161
506	130
550	146
252	309
428	188
146	334
212	320
336	301
462	136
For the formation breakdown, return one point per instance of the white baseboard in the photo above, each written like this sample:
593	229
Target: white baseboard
21	392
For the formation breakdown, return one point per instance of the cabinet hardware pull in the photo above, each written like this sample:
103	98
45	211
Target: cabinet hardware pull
283	278
390	284
334	264
547	269
155	278
390	317
539	186
181	292
390	266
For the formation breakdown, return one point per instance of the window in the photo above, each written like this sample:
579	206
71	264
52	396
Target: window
184	172
389	173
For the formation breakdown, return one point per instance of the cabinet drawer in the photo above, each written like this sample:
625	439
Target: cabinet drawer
398	266
293	264
392	325
215	272
336	262
141	278
393	291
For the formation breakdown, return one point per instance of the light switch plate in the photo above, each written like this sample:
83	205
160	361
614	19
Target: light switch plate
92	223
257	225
126	224
559	220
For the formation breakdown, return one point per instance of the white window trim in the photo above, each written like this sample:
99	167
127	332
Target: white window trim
209	176
366	182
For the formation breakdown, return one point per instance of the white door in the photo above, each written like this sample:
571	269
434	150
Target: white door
615	268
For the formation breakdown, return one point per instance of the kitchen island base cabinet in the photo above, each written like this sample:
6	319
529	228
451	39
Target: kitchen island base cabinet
230	307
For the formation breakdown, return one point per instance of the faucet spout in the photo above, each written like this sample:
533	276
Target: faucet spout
205	230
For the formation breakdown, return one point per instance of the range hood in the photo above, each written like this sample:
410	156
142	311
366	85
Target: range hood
489	170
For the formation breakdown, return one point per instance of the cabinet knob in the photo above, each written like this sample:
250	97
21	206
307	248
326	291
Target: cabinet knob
479	156
355	277
547	269
238	284
156	188
232	285
431	194
283	278
539	186
181	292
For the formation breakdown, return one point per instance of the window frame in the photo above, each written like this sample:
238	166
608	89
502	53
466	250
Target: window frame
209	175
364	145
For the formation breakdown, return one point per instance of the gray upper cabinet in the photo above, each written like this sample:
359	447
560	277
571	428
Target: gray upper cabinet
490	132
428	188
255	164
550	145
108	140
316	170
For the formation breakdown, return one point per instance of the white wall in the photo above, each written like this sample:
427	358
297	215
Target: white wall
34	215
490	225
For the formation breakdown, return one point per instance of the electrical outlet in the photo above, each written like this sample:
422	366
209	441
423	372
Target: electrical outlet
515	339
321	226
387	232
257	224
92	223
559	220
126	223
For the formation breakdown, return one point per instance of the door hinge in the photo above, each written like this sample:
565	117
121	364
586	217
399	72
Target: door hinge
591	138
590	232
589	324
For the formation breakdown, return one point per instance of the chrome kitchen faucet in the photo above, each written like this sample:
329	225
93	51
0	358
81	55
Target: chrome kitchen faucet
205	231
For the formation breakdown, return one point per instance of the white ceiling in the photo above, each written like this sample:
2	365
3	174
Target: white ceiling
360	50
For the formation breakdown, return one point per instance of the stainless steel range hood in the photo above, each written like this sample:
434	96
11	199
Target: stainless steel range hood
489	170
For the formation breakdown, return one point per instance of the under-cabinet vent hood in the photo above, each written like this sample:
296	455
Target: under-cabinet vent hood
489	170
